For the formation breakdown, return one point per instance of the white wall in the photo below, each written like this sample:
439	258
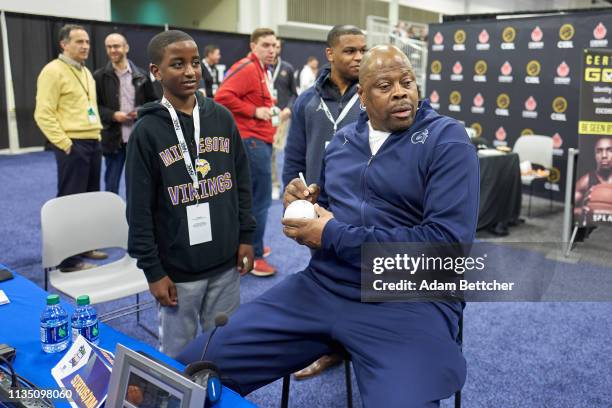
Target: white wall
261	13
85	9
452	7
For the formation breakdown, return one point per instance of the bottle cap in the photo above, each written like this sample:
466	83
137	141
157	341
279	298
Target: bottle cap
82	300
53	300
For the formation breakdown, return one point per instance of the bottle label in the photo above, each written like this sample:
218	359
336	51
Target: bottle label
89	332
54	335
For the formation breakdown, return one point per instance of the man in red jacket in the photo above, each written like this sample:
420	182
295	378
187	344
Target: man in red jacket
246	92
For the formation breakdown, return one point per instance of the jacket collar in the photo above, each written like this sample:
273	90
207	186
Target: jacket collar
424	114
136	72
328	90
256	61
70	61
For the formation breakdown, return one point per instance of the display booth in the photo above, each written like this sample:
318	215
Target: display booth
507	78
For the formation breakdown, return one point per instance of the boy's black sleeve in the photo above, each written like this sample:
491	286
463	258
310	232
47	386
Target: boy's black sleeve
243	181
141	180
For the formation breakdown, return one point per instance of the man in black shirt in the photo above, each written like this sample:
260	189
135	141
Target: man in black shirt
210	74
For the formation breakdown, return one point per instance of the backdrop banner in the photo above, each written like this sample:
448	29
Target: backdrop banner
508	78
593	191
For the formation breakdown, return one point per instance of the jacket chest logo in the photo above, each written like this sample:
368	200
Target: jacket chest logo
420	136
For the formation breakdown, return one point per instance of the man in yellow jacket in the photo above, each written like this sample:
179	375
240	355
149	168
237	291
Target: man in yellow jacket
67	113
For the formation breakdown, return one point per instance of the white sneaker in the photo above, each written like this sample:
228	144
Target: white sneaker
275	193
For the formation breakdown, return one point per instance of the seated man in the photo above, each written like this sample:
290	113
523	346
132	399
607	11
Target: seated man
401	173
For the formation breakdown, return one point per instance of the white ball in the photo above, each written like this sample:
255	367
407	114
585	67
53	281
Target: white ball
300	209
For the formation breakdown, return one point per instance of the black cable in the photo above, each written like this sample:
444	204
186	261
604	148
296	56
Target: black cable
16	378
14	382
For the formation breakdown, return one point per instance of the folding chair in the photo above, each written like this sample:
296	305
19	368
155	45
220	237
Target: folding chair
538	150
77	223
347	377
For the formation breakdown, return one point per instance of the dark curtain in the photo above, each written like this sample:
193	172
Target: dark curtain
297	52
34	42
233	46
236	46
4	144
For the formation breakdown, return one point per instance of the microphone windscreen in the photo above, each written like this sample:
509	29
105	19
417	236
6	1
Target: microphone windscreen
221	320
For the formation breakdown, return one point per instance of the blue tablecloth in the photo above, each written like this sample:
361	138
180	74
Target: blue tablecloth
20	328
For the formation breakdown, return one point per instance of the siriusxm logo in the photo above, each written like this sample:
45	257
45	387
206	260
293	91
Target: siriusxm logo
420	136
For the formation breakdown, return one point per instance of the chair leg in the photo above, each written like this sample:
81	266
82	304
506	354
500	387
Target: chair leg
46	279
551	198
285	392
460	341
530	194
138	311
145	328
458	399
349	384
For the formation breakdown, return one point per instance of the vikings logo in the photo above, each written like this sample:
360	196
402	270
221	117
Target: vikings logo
202	167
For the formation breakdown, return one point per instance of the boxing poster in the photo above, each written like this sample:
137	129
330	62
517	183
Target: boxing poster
593	190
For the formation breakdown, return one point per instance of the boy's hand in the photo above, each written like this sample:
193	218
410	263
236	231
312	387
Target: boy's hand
245	253
164	291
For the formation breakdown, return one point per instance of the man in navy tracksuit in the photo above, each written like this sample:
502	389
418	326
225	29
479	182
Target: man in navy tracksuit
332	101
397	175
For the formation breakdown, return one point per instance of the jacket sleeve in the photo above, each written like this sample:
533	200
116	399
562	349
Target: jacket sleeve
243	181
295	147
45	114
141	180
233	90
106	113
450	208
292	88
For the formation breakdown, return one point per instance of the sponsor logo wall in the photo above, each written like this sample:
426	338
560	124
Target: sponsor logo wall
516	77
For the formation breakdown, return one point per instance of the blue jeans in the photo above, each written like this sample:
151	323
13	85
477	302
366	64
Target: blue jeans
114	166
260	159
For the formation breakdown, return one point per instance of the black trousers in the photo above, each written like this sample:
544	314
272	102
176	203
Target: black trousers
79	171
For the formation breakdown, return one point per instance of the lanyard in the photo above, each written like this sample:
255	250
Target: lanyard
181	137
79	80
343	114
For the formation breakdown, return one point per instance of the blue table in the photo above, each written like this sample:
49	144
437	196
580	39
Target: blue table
20	328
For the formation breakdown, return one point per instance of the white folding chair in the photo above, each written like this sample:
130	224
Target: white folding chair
537	150
77	223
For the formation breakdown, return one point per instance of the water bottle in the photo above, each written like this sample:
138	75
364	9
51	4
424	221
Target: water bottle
54	327
85	320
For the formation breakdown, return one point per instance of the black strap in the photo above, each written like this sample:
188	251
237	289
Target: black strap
236	71
79	79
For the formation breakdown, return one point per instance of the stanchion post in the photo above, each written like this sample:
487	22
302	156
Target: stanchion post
569	184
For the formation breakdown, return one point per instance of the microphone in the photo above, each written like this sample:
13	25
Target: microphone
220	321
206	373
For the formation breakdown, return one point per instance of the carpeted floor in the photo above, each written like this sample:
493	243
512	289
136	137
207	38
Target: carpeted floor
518	354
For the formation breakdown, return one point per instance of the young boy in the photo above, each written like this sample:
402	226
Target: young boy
188	198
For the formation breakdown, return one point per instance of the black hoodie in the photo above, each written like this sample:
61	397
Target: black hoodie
159	190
